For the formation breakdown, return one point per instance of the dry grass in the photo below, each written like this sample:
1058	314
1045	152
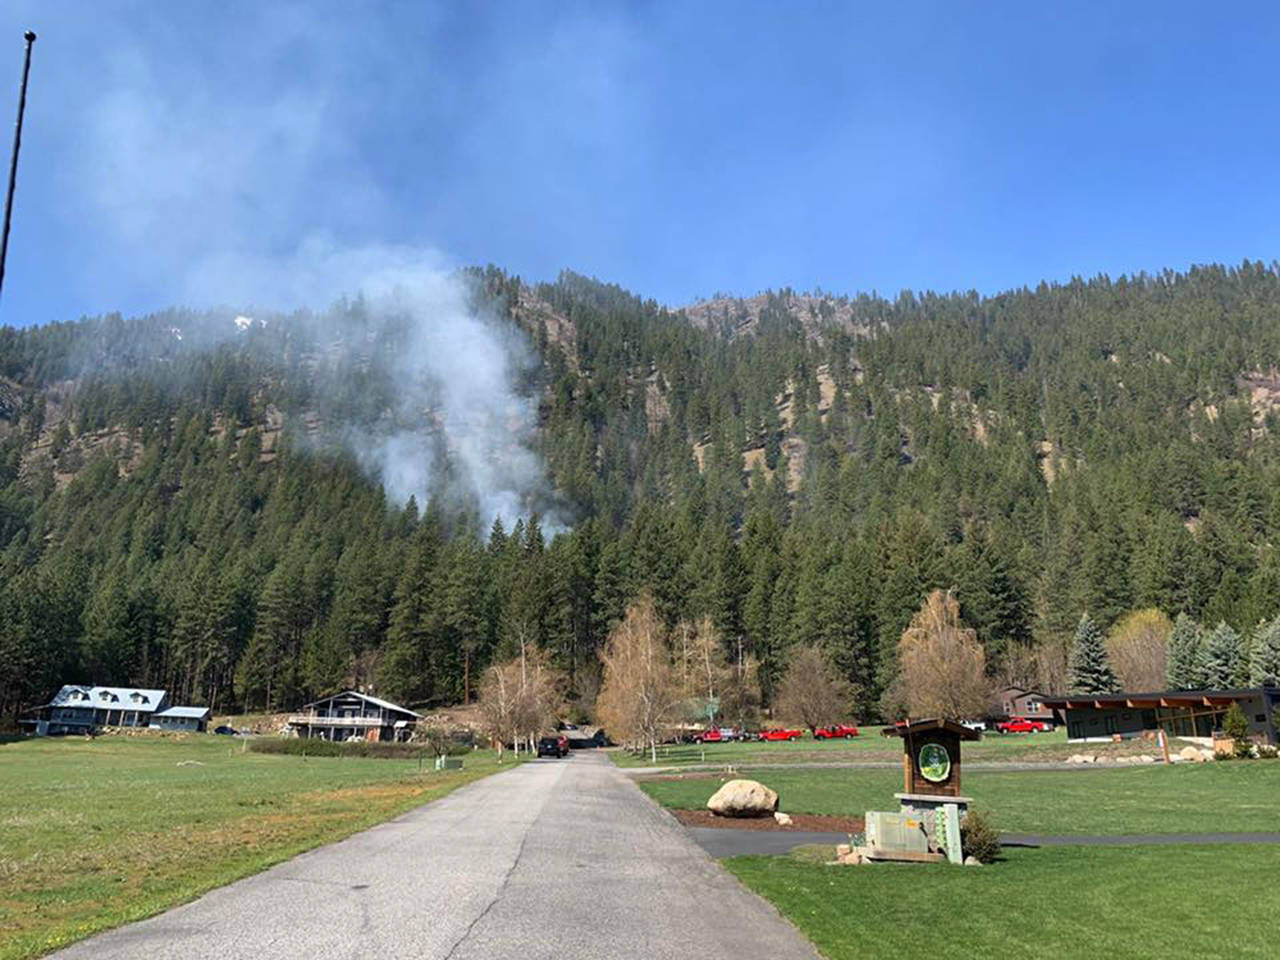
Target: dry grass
99	833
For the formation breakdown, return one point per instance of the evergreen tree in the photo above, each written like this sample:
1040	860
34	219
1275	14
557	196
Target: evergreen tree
1266	653
1220	658
1184	654
1090	669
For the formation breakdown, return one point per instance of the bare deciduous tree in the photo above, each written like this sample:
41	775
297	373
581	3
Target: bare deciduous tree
812	692
640	692
1138	648
740	699
520	698
941	665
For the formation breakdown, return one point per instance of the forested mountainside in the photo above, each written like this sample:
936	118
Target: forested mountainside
181	504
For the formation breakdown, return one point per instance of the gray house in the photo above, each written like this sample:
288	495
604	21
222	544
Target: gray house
195	719
342	716
79	708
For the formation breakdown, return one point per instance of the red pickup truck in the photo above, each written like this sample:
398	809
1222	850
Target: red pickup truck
714	735
781	734
840	730
1021	725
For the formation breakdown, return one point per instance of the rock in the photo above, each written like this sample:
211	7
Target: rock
1206	756
972	862
743	798
843	850
851	859
1189	753
1081	758
1146	758
783	819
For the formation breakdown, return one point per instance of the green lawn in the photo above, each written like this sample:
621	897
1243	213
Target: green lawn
871	746
98	833
1213	797
1196	901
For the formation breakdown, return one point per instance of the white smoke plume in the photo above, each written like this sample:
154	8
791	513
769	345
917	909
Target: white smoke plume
231	190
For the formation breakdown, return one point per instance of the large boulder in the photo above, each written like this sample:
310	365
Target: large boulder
743	798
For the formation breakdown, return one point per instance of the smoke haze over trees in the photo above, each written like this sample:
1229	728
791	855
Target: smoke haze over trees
220	511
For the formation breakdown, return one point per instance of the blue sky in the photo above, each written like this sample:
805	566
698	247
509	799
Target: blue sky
272	154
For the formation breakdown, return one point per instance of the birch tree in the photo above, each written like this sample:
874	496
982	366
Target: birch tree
640	694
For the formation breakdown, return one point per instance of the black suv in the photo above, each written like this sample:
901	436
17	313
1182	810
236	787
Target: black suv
553	747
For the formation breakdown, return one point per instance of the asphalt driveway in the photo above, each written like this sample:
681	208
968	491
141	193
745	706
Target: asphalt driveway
558	859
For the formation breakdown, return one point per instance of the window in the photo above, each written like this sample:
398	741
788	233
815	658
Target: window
1111	724
1259	718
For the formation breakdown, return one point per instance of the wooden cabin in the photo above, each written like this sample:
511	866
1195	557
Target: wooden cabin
349	715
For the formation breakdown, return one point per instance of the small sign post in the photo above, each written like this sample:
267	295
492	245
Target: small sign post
931	779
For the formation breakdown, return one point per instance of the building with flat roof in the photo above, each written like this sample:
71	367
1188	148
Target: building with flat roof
1180	713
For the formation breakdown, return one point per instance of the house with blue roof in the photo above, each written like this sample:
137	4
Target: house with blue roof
81	708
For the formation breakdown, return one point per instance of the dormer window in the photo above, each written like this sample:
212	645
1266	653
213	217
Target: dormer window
138	698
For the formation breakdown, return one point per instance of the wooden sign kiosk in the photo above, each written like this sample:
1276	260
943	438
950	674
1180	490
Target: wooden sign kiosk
931	777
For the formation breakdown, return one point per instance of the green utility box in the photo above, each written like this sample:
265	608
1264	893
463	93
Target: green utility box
896	832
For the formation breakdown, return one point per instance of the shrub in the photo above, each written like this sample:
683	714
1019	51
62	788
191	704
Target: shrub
1236	726
978	837
298	747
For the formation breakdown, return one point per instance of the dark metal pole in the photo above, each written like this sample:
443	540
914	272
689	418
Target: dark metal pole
13	162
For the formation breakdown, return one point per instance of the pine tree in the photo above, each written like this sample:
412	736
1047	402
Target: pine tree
1090	669
415	622
1184	654
1220	658
1265	666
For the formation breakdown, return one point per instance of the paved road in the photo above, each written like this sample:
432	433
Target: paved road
557	859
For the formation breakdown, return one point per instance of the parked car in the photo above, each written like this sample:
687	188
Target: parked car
226	731
1021	725
781	733
707	736
839	731
978	725
553	747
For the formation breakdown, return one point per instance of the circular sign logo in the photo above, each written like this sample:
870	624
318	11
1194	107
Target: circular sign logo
934	762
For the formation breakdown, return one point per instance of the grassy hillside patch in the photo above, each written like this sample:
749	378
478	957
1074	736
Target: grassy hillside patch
98	833
1093	902
1214	797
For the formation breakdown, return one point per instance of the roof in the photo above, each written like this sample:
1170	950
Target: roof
1020	692
191	713
911	727
1160	698
108	698
364	696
